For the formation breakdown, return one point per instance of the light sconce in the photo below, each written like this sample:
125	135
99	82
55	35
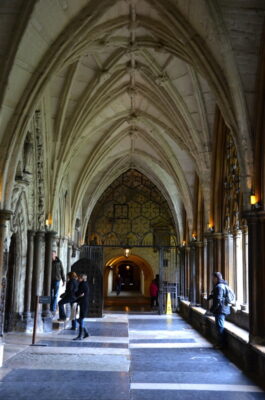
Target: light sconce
210	228
127	252
127	267
194	238
183	244
48	222
253	199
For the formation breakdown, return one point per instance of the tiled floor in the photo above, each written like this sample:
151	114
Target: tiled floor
126	357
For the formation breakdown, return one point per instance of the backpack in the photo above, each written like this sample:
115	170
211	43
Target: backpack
230	297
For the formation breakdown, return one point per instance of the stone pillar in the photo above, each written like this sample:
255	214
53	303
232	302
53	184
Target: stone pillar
218	250
36	290
69	256
28	280
5	216
187	272
228	272
192	274
161	280
256	236
199	271
50	237
209	261
181	272
204	294
238	266
245	267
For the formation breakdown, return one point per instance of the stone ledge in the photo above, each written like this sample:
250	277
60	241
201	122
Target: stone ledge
57	325
248	356
235	330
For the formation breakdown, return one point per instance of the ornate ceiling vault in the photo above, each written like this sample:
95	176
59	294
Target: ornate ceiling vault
127	84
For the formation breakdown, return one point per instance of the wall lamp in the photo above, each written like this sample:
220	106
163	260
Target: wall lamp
48	222
127	251
253	199
210	228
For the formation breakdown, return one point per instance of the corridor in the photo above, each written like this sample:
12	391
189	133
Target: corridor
127	356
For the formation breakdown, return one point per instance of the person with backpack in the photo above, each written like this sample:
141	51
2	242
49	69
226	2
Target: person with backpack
220	307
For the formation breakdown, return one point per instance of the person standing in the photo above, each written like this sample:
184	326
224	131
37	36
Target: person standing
82	300
219	307
57	276
69	296
154	294
118	284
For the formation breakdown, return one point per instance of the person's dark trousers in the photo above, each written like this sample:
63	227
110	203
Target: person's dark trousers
54	295
220	327
61	304
118	289
73	324
153	302
81	322
82	329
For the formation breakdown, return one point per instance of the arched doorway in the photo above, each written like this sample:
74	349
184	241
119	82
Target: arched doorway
136	275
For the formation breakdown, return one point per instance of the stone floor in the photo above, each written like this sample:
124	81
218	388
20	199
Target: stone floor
126	357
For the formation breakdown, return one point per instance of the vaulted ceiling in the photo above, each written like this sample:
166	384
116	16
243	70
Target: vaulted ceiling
128	84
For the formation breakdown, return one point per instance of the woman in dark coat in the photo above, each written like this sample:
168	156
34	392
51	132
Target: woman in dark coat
69	295
82	300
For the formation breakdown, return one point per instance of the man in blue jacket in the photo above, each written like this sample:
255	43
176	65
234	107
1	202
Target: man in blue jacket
219	308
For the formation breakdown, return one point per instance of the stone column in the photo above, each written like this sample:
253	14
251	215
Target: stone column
161	280
5	216
181	272
204	294
28	280
217	250
238	266
69	256
245	267
38	243
228	272
256	230
199	271
50	237
192	274
187	272
209	261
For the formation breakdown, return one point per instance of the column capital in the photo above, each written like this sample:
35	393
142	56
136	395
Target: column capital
227	234
218	235
199	244
51	234
254	215
40	234
236	233
5	215
244	229
208	235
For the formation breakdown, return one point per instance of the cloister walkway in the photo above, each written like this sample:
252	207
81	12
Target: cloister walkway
126	357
